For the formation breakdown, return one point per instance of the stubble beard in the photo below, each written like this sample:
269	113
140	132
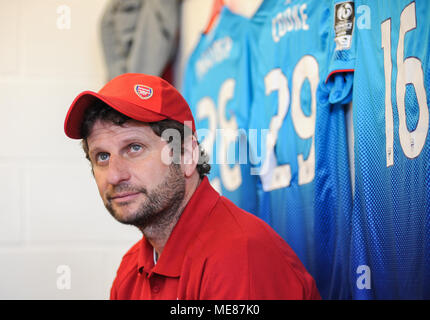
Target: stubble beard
162	204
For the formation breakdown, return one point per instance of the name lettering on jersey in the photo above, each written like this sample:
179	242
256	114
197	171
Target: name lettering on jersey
291	19
218	51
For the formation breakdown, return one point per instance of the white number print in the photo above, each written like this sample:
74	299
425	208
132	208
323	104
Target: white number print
307	68
409	71
230	176
273	175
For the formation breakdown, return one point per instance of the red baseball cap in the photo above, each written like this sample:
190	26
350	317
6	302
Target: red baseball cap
139	96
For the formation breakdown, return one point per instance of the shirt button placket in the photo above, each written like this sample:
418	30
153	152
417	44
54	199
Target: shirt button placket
155	284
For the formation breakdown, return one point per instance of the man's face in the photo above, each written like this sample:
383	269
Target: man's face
136	186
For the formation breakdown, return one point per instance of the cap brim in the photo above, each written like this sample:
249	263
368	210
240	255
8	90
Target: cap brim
75	115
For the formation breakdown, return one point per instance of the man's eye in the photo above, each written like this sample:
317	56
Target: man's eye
135	147
102	157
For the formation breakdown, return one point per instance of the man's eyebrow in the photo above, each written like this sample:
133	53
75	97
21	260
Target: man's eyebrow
135	138
95	150
126	141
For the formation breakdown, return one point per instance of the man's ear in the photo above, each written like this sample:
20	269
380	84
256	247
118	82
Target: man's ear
191	155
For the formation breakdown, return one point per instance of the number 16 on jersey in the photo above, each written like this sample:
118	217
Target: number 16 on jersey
409	71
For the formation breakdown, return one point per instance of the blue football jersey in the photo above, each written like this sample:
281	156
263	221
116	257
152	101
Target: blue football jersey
390	254
217	88
301	152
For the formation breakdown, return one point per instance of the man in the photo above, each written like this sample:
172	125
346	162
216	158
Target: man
196	244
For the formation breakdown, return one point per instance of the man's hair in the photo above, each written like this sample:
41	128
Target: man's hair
101	111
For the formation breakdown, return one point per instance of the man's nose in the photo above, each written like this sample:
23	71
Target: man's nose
118	170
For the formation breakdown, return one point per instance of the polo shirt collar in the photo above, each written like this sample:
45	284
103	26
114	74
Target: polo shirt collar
193	216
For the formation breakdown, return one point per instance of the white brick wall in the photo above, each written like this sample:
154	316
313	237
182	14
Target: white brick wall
50	210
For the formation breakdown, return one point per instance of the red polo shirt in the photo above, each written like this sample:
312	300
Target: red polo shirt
215	251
